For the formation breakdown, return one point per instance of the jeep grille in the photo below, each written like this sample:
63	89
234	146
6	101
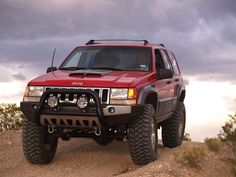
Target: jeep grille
103	93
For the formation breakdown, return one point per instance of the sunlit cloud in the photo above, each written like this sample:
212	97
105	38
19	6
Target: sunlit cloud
207	107
12	92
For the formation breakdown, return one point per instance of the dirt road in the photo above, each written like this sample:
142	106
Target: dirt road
83	157
77	157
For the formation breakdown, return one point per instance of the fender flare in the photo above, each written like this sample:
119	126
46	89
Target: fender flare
145	91
182	94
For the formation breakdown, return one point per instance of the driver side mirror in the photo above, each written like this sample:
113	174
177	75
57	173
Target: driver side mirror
164	74
50	69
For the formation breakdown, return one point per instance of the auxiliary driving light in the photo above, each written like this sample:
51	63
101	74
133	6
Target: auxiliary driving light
82	102
52	101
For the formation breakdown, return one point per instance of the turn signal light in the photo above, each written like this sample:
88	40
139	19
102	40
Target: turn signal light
131	93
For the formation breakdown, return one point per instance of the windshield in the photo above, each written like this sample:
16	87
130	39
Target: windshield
109	57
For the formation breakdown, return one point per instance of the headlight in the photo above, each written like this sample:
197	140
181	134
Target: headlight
123	96
119	93
33	93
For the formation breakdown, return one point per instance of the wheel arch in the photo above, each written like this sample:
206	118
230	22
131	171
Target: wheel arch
182	95
148	95
151	98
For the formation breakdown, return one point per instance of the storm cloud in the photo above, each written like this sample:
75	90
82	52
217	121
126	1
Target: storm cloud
201	34
19	76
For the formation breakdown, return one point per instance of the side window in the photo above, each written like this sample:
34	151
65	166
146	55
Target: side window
174	63
165	60
159	61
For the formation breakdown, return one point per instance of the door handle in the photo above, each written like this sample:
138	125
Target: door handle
168	82
176	80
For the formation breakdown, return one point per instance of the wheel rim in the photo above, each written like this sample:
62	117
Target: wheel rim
153	135
181	124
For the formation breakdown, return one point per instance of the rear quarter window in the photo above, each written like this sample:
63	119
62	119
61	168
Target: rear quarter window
174	63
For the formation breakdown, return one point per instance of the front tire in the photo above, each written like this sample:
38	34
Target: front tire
173	128
142	137
38	145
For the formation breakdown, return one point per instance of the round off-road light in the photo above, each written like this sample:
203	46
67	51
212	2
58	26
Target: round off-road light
82	102
52	101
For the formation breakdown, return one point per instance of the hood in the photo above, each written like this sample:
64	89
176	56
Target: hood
93	78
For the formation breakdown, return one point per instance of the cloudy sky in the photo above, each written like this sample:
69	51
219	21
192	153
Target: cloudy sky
201	33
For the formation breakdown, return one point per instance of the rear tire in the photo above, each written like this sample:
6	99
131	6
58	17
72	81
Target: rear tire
38	145
142	137
173	128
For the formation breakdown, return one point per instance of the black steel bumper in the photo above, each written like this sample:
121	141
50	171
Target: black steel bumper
123	113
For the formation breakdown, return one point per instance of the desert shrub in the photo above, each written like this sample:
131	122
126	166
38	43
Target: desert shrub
10	117
191	155
213	144
186	137
228	132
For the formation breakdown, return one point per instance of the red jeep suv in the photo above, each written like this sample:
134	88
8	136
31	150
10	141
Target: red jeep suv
106	90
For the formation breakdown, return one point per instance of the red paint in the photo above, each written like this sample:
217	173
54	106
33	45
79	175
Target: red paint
115	79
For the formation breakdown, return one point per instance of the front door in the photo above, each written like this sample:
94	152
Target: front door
165	86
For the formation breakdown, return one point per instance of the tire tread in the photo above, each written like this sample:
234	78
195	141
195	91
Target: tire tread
170	128
33	144
139	138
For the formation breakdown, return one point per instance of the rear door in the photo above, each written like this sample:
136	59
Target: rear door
177	80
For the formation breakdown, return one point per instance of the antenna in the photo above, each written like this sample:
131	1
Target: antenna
53	56
51	69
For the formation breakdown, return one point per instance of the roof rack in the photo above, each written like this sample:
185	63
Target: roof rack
93	41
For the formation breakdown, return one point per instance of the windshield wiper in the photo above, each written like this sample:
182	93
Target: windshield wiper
115	69
71	68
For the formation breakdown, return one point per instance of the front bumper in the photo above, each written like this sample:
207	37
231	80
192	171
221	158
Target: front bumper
72	117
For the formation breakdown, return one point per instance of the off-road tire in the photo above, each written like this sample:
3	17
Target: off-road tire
38	145
173	128
142	137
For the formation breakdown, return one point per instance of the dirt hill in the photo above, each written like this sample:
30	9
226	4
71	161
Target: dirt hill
83	157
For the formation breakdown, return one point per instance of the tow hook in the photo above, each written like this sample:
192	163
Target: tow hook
97	132
51	129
